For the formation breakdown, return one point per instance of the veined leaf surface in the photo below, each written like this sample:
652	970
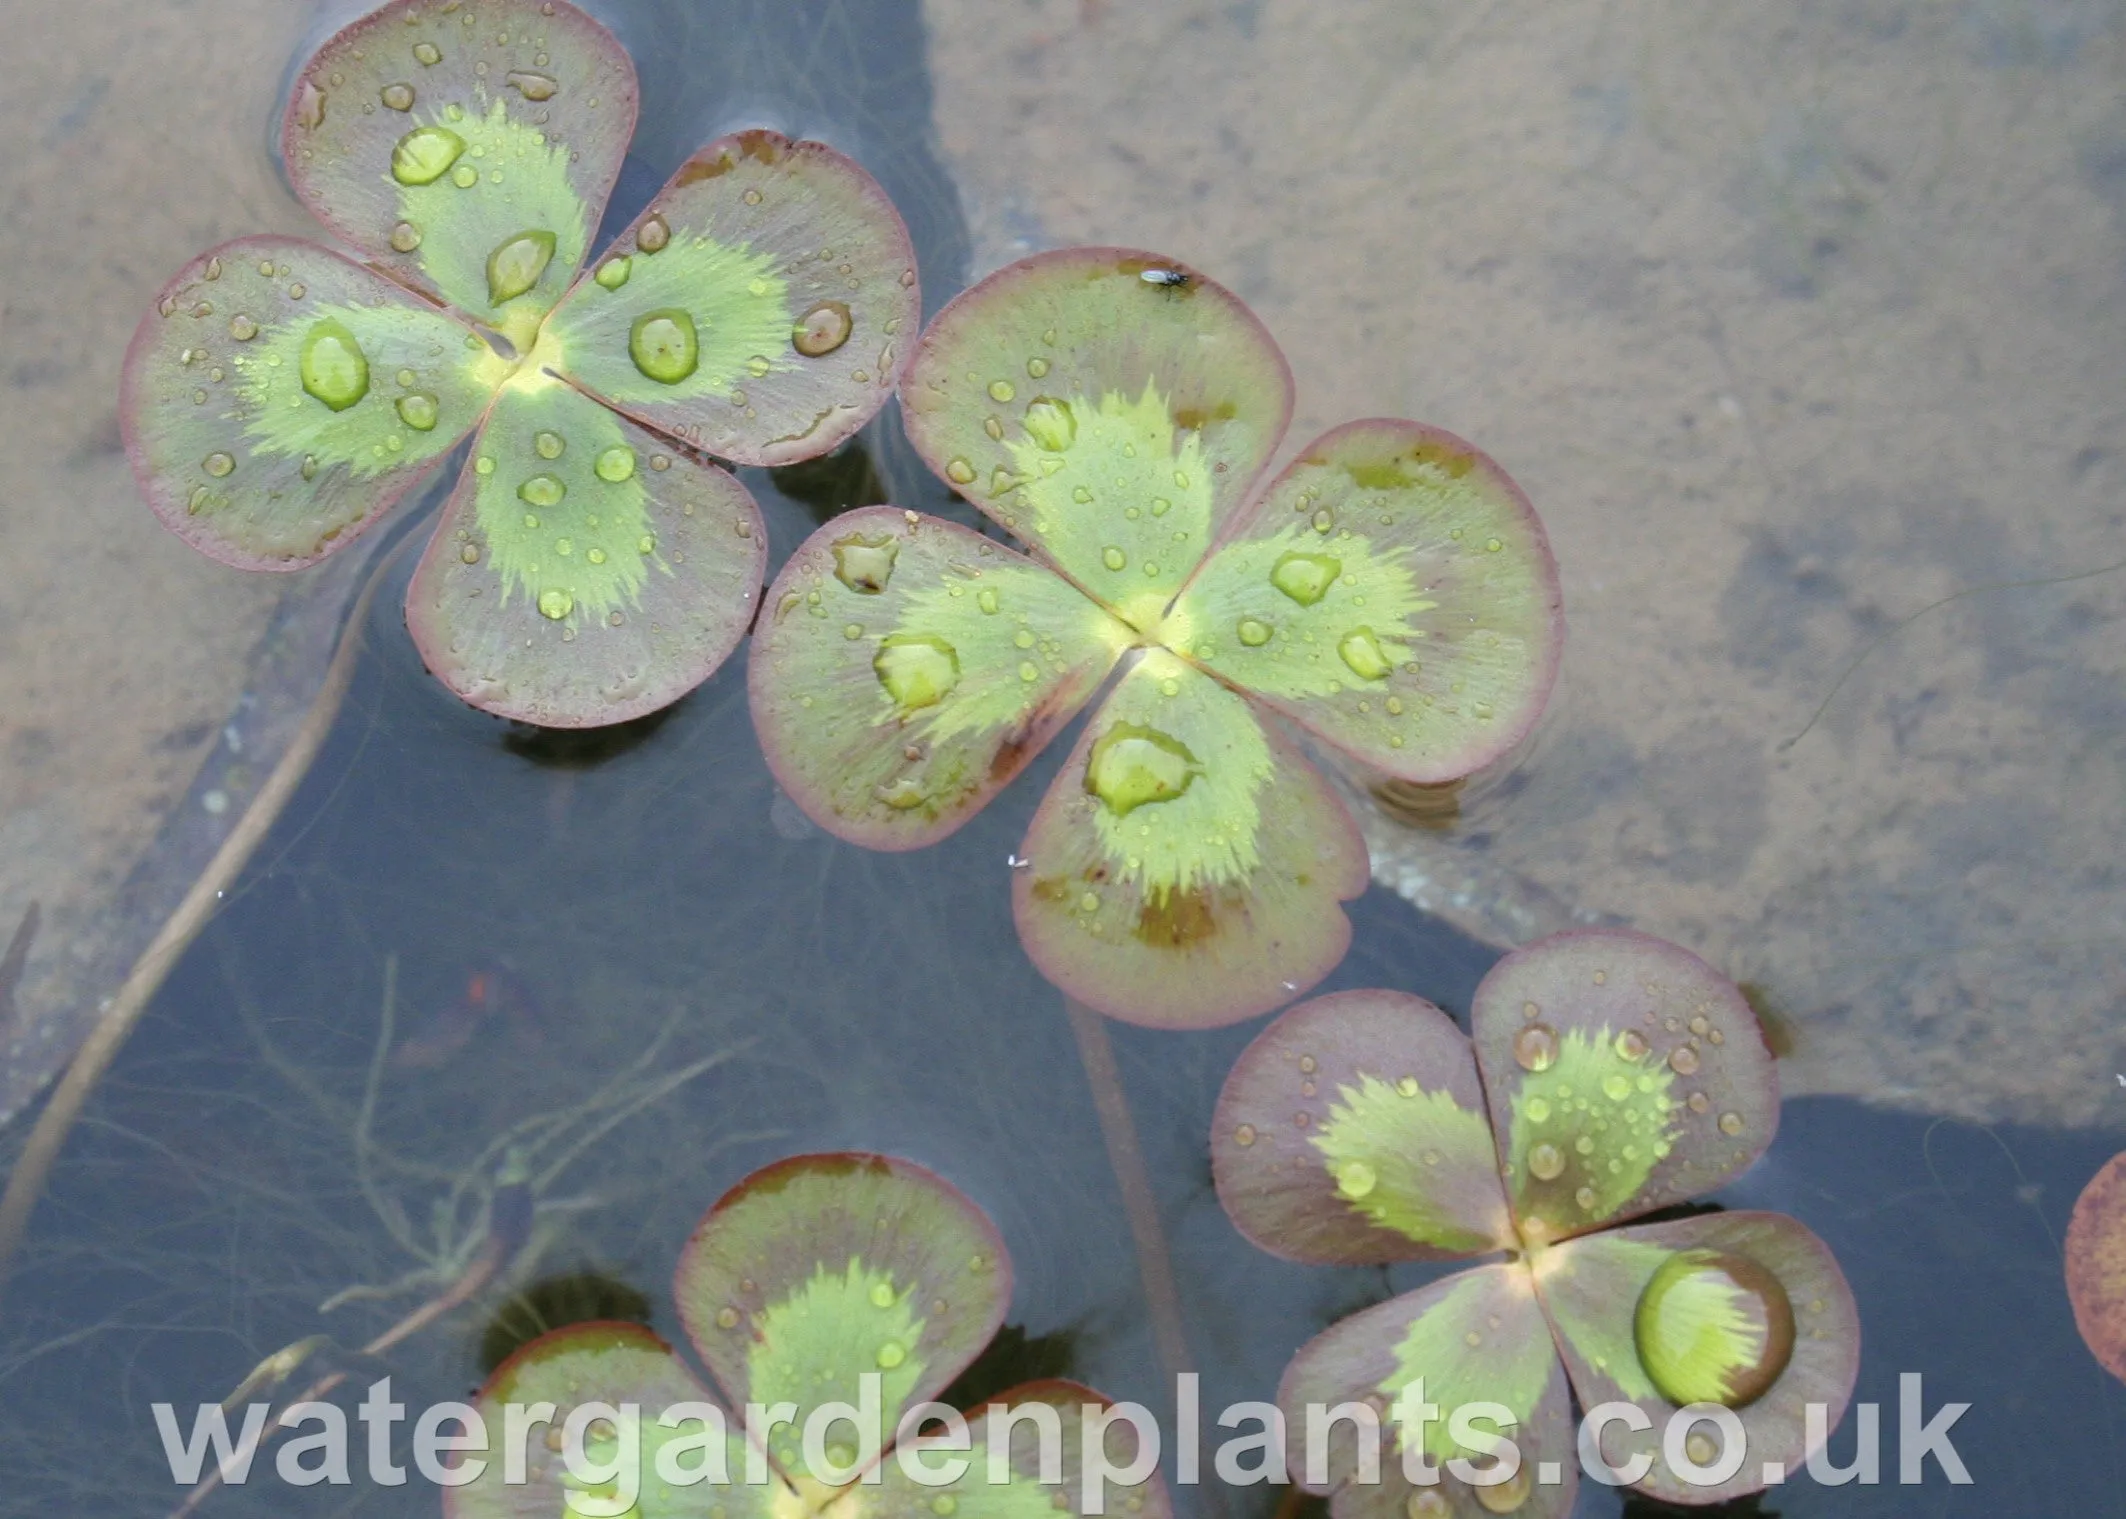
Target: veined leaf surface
1594	1288
278	399
1113	421
584	572
906	669
1623	1073
1475	1337
820	1269
438	138
1186	866
1352	1132
761	307
1393	592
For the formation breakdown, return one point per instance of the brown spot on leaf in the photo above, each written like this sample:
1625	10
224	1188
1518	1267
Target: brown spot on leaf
721	158
1180	920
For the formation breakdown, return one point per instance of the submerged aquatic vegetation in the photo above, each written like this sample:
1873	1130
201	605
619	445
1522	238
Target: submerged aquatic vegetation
2096	1265
590	566
1391	592
1608	1075
810	1276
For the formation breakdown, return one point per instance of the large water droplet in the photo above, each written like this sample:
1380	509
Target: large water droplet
1305	578
891	1354
218	465
616	464
333	367
405	237
543	490
1546	1162
555	605
821	330
1254	632
425	155
1713	1327
516	264
428	53
1535	1047
959	472
881	1294
531	86
917	669
663	345
1683	1060
1113	557
399	97
652	235
418	410
865	565
547	444
613	273
1051	424
242	328
986	599
1132	765
1362	654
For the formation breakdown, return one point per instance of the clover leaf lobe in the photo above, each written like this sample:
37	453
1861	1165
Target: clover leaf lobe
1352	1132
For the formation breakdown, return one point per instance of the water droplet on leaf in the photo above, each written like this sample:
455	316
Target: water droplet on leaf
1363	656
1051	424
542	490
1713	1327
821	330
1305	578
399	97
663	345
1131	766
917	669
425	154
218	465
333	367
1535	1047
653	234
418	411
555	605
516	264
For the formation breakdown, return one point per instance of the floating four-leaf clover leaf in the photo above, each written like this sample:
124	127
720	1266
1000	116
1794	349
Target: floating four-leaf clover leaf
1391	591
1609	1074
590	566
809	1275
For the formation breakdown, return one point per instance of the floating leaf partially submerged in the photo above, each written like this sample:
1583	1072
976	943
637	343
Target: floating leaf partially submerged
279	398
1391	591
811	1276
1607	1074
2096	1265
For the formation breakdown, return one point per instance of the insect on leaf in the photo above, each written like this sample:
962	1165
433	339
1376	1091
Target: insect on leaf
1393	592
1187	863
1623	1073
1113	422
583	572
905	670
817	1270
1475	1337
278	399
761	307
1352	1132
468	149
1745	1310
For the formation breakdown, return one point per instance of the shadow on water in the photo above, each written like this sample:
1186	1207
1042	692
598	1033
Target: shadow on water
626	963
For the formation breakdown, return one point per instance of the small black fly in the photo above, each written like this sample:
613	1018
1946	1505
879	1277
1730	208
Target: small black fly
1172	281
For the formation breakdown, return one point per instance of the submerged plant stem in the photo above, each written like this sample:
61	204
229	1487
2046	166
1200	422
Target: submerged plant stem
25	1183
1155	1263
